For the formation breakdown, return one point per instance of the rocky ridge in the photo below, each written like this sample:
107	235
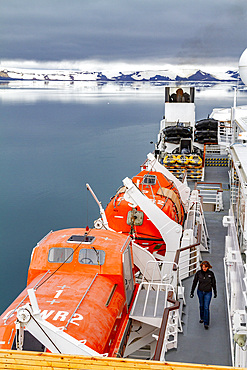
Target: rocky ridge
149	76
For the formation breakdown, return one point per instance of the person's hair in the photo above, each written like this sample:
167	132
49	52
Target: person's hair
206	263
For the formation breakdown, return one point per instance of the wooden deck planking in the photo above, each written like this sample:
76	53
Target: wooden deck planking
20	360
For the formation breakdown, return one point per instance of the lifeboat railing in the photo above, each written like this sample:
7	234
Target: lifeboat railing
84	295
55	340
181	185
140	182
10	314
149	186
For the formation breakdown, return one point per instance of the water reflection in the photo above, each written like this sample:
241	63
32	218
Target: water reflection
55	138
65	91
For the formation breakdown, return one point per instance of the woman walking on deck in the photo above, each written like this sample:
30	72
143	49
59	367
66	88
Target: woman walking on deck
206	283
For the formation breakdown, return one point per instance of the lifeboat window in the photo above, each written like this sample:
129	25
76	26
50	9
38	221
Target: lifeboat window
58	255
84	239
149	180
135	217
92	256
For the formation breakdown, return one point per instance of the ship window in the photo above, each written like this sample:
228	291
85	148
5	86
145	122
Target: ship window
92	256
84	239
58	255
149	180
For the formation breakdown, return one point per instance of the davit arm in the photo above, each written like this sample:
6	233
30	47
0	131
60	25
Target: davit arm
183	189
170	231
53	338
101	209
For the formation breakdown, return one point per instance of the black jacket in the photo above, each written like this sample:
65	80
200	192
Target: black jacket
206	280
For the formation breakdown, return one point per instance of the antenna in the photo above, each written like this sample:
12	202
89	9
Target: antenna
101	209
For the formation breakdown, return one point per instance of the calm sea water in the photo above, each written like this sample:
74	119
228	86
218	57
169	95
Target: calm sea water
57	137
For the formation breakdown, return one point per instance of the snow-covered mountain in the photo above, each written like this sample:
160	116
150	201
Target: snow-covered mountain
148	75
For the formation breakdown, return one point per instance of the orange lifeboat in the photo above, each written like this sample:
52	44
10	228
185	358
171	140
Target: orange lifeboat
82	285
124	218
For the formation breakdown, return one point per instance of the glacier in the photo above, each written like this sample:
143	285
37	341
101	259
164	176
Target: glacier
166	75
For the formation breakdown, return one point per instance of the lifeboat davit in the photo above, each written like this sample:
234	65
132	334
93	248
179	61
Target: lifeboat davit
79	284
123	217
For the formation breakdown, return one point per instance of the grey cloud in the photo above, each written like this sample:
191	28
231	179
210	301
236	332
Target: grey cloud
128	30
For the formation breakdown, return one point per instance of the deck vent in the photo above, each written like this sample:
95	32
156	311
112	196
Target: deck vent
84	239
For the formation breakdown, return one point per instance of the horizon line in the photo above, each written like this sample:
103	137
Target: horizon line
97	65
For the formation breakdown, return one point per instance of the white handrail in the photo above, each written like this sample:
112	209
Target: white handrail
157	287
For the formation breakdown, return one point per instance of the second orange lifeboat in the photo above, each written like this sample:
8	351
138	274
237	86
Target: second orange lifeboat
123	217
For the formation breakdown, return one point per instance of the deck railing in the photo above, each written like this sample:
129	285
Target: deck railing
147	289
171	312
236	292
225	134
163	339
196	221
214	149
161	271
212	194
188	260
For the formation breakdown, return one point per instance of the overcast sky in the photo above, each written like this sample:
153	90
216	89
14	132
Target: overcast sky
131	31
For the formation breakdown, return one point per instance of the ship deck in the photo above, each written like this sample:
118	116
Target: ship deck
195	344
20	360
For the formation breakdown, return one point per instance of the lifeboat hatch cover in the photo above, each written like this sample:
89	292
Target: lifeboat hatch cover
84	239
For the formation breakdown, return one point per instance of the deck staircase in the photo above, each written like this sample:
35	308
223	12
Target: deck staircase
158	290
150	303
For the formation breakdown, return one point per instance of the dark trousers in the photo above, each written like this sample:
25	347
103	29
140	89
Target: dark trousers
204	302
